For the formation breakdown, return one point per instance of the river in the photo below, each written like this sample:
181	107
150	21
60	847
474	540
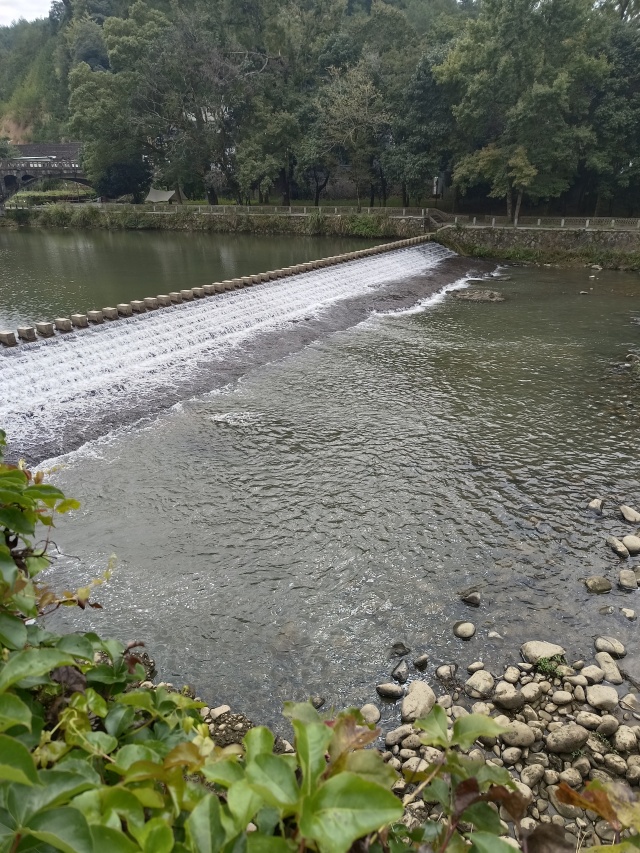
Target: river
284	522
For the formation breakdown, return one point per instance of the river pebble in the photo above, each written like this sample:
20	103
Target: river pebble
464	630
419	700
611	645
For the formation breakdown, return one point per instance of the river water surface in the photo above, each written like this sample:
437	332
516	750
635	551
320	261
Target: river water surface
277	531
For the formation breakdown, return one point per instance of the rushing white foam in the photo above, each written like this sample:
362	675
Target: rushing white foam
428	301
47	384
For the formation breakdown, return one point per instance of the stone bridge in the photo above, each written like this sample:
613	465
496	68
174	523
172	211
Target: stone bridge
38	161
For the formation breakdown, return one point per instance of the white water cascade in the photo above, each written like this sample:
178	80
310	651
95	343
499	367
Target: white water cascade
60	385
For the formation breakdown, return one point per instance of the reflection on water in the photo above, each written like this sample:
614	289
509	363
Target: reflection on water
52	273
275	538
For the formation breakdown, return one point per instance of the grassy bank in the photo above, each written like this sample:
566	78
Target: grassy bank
610	249
133	217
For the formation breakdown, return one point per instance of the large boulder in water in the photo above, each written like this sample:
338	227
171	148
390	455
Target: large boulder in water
479	295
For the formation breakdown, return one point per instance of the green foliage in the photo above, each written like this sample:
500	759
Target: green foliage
549	666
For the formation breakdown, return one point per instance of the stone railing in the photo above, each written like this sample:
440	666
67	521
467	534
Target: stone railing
587	223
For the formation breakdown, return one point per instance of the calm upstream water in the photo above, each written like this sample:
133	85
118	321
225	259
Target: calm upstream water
287	520
47	274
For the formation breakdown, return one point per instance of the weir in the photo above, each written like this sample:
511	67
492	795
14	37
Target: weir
61	385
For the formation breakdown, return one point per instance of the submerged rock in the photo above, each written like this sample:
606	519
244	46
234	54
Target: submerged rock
596	505
421	662
632	544
479	296
627	579
598	584
611	645
464	630
472	598
619	547
390	690
401	672
400	649
630	514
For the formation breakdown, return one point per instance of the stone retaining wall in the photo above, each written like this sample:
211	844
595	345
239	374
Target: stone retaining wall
612	249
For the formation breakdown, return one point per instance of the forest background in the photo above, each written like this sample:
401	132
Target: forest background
508	102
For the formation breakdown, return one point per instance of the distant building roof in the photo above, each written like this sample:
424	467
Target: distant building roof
57	150
161	195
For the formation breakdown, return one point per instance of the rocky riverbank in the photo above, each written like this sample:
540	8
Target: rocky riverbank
566	722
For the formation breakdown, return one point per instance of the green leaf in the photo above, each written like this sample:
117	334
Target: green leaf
67	504
45	493
65	829
141	699
58	787
257	741
148	797
437	792
466	730
312	740
225	772
131	753
35	565
346	808
243	802
100	742
205	832
494	775
16	762
119	719
120	801
274	780
30	663
257	843
13	633
369	764
77	645
13	712
154	836
302	711
434	727
483	817
487	842
107	840
18	521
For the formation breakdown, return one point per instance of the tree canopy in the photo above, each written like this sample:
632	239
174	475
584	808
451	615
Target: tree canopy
533	102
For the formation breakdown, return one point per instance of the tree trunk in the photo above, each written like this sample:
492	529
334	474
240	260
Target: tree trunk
212	196
405	195
178	193
372	196
383	189
596	212
320	186
518	203
509	205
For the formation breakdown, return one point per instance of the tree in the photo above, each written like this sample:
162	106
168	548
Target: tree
522	78
612	161
422	131
353	119
6	149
